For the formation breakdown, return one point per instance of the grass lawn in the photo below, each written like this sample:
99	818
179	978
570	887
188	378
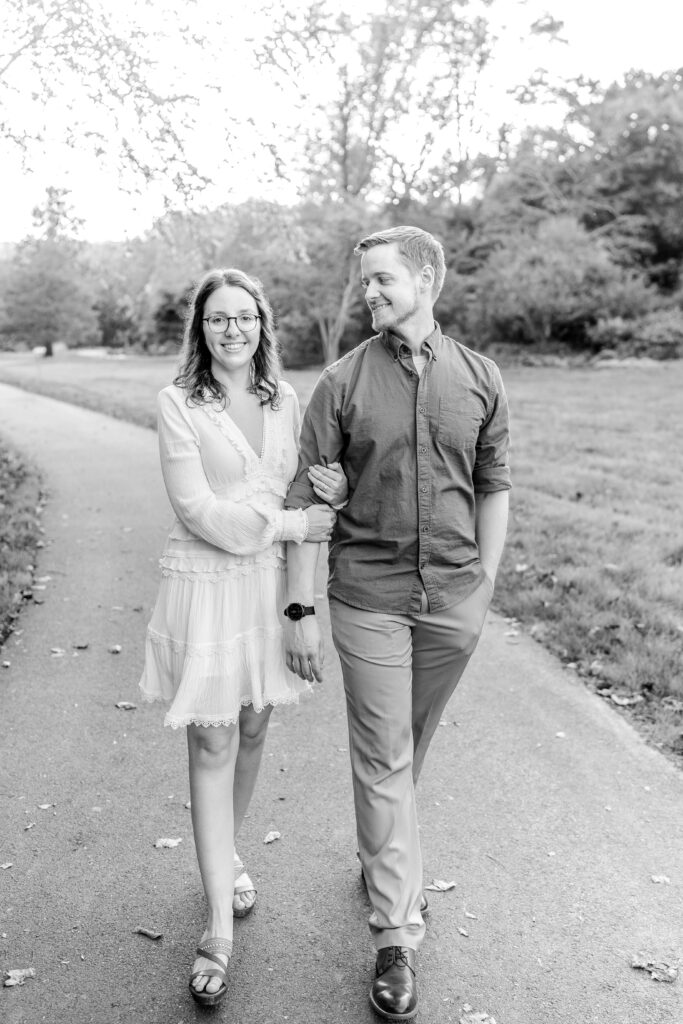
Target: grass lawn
594	562
20	533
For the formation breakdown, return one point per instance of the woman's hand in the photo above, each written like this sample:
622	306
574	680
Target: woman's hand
330	483
320	522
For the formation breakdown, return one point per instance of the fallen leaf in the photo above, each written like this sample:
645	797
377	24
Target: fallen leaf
6	664
115	648
80	646
31	824
560	735
126	705
439	886
188	805
148	932
463	931
57	652
521	567
659	970
8	864
45	807
475	1017
511	632
19	976
661	879
167	844
625	700
472	917
271	837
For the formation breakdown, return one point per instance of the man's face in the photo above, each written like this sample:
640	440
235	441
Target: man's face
394	292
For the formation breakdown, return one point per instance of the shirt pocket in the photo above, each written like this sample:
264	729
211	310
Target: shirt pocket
460	418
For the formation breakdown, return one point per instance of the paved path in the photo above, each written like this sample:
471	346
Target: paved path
546	809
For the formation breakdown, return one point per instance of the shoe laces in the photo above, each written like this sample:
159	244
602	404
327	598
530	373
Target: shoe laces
397	956
401	957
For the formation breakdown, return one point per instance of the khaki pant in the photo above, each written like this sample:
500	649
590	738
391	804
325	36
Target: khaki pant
399	673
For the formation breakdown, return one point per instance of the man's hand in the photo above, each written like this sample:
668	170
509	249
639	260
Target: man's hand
304	647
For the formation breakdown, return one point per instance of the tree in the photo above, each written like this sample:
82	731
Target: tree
616	165
96	82
552	284
49	296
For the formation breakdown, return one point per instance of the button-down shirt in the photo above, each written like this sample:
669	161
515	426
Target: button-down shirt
416	449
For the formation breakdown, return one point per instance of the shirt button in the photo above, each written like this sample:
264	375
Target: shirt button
425	529
424	489
423	451
422	410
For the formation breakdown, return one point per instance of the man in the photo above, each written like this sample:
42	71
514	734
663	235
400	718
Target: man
420	426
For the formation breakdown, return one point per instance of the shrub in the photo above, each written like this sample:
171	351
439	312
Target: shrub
658	334
552	285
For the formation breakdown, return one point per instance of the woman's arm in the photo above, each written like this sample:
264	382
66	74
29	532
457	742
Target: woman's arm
243	528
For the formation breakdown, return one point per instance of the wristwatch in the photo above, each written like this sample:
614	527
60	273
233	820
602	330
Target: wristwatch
297	611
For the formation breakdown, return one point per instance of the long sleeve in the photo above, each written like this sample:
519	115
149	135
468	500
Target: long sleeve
320	439
242	528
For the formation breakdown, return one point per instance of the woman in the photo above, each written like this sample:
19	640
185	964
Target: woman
228	435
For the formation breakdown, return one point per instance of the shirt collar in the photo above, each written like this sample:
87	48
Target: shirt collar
433	343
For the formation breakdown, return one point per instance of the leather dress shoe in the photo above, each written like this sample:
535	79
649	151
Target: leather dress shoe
394	991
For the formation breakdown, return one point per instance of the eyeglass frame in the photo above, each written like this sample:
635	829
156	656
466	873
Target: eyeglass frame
256	316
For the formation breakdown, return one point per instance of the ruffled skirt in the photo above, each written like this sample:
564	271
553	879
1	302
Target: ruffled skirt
215	643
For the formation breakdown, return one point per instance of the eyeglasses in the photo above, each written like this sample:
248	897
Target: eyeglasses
219	322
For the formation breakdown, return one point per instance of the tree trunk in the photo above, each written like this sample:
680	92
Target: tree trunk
335	333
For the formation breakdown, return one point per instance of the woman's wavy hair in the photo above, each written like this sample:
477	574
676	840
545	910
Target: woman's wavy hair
194	373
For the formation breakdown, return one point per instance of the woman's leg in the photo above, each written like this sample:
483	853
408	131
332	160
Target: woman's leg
212	754
253	726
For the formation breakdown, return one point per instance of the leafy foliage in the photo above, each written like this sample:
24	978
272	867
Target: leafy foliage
552	283
48	295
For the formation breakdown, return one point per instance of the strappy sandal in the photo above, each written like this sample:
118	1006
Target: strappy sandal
208	950
243	883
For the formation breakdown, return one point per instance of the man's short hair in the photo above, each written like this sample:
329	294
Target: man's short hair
416	247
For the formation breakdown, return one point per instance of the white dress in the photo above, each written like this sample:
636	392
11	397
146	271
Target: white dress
215	639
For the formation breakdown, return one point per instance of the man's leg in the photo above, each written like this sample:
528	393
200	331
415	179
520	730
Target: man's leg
375	652
443	643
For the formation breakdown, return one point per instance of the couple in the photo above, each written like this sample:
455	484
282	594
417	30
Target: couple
403	463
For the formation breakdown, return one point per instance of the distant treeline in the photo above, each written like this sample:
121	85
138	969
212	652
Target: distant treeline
572	240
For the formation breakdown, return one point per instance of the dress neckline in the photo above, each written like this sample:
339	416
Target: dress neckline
245	446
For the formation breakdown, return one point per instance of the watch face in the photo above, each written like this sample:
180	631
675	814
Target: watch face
295	612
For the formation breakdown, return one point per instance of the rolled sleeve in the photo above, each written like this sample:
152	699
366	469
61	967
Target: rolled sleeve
492	462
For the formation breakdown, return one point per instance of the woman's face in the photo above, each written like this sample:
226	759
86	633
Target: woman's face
232	344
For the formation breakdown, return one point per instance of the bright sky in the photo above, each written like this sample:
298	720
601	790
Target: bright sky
605	38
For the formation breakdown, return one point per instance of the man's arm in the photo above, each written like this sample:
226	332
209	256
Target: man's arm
491	519
303	639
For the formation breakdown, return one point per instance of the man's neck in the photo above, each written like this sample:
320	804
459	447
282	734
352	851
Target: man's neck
414	332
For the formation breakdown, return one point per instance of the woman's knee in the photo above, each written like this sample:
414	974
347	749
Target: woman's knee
253	724
212	745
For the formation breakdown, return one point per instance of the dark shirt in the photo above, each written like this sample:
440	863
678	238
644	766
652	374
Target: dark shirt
416	451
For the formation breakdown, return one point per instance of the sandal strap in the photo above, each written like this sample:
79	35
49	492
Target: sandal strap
243	883
238	865
209	949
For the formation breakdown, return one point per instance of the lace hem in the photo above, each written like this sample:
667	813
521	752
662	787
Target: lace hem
217	575
182	721
255	637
